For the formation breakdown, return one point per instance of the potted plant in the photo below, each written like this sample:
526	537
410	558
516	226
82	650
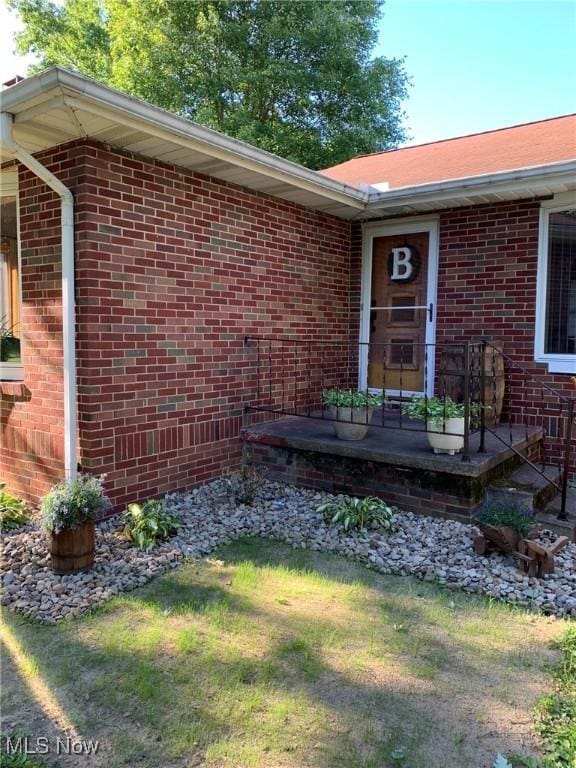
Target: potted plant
444	421
9	344
502	524
351	410
68	513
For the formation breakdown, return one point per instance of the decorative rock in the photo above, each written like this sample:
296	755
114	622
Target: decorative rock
427	547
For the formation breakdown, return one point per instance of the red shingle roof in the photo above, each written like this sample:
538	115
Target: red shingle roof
506	149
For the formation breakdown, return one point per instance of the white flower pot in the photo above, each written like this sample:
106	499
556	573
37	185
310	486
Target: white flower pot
451	443
351	423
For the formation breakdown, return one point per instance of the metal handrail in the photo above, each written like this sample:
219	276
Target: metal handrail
540	384
473	377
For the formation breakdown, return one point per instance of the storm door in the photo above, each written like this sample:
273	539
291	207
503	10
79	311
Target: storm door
400	311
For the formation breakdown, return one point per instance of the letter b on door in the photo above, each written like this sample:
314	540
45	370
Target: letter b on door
403	264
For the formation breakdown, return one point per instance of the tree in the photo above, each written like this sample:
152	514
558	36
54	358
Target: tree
294	77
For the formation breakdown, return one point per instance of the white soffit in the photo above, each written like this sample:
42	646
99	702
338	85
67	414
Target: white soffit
57	106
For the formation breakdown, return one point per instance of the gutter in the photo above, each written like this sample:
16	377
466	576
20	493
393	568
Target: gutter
515	180
7	144
59	87
79	92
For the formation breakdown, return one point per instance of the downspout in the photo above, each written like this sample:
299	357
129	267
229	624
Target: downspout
10	146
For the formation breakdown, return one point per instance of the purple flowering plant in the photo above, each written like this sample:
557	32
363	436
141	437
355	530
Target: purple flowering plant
71	503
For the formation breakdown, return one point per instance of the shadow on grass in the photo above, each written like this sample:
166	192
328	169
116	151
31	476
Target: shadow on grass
181	668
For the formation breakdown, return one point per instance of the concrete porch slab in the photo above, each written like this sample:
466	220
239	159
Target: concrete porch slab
388	445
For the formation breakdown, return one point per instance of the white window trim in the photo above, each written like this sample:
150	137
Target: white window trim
556	363
12	371
385	228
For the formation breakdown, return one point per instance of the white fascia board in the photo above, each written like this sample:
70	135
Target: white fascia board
81	92
507	181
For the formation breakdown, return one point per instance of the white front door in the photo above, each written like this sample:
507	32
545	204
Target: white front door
397	333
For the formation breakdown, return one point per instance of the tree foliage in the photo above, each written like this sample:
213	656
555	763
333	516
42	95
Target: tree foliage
295	77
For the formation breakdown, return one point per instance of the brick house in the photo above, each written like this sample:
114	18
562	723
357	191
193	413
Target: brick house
139	250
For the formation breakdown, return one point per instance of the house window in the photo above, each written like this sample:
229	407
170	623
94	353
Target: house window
10	290
556	304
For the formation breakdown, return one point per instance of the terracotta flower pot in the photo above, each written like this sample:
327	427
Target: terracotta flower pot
72	550
446	443
351	423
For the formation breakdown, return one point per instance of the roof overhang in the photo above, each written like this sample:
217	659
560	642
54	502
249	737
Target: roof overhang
57	106
536	182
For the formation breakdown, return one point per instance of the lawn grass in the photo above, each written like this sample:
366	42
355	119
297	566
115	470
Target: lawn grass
557	711
265	656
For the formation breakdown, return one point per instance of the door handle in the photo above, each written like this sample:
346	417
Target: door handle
430	312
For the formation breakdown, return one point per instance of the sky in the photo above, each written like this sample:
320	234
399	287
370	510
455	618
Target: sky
474	65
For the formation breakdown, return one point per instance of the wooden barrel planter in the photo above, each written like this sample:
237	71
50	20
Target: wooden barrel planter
72	550
492	394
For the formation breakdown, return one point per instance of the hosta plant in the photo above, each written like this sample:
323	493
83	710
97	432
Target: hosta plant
506	514
73	502
353	513
350	398
147	524
436	410
13	511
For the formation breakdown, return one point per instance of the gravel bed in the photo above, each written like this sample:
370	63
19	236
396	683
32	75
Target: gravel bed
429	548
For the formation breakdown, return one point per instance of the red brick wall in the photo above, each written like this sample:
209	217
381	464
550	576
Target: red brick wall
31	413
487	288
173	270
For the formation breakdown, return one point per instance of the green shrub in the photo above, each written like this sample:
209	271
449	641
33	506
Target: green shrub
71	503
242	486
351	398
506	514
435	410
556	714
147	524
351	512
12	751
13	511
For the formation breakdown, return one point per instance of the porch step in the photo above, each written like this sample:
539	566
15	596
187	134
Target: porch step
549	519
526	486
549	516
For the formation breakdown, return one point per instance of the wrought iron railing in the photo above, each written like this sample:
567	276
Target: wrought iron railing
290	375
531	402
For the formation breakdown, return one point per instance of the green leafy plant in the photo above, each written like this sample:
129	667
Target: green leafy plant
435	410
9	343
243	486
351	398
556	713
13	512
71	503
506	514
12	751
147	524
351	512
